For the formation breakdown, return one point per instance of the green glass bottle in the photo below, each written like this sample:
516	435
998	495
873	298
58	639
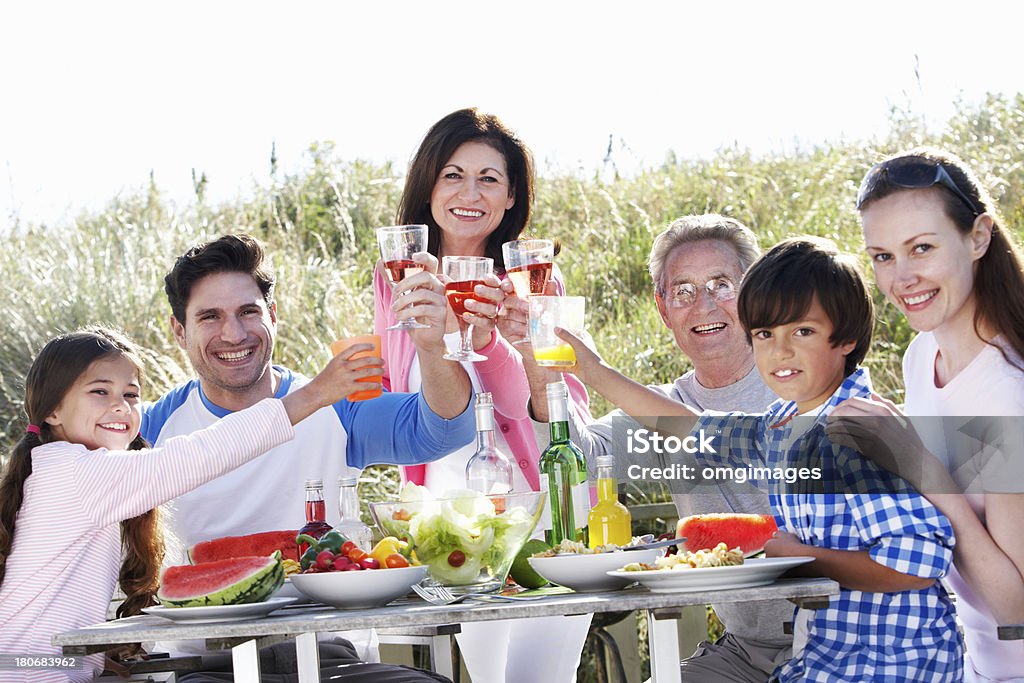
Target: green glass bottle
564	473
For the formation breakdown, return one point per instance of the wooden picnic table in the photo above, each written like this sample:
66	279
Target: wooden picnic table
303	622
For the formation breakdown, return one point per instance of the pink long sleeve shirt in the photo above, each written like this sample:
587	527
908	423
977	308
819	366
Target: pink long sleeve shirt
64	562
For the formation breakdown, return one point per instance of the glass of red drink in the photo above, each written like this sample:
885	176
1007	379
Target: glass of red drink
528	264
465	273
397	245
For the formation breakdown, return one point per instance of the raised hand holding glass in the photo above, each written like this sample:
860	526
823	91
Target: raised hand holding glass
398	244
528	264
465	273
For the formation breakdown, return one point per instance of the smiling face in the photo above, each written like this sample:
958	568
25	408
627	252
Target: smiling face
470	197
103	408
708	330
923	264
228	335
797	361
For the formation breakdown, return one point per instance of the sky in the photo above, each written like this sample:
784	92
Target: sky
94	96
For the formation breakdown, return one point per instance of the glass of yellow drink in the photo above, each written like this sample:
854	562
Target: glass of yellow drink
547	313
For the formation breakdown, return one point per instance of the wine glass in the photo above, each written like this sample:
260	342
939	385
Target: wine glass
465	273
528	264
397	245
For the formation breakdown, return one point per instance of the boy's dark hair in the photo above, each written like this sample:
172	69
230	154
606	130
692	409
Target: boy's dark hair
780	286
239	253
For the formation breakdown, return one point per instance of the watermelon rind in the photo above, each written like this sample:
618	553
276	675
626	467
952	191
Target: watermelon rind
256	585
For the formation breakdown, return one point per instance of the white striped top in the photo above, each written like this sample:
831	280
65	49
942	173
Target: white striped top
66	554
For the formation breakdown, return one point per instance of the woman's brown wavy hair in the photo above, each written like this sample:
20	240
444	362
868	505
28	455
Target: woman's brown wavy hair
438	146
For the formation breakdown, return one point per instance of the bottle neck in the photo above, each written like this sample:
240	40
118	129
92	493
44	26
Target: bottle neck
558	417
349	505
316	511
559	432
485	441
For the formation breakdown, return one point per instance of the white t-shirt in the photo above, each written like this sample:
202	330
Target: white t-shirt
988	386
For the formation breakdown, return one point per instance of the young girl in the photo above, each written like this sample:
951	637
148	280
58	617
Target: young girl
81	470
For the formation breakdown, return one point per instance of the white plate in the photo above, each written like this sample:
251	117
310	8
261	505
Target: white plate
589	573
756	572
202	615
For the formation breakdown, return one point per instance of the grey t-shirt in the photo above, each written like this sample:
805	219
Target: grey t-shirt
757	621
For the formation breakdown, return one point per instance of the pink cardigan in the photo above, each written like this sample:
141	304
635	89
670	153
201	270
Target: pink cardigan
501	374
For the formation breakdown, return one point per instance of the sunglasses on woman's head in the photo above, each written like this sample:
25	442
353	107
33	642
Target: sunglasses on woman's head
913	173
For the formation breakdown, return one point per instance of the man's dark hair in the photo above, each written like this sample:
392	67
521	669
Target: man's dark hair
239	253
780	287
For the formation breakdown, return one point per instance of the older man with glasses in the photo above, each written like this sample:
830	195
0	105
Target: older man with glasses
697	264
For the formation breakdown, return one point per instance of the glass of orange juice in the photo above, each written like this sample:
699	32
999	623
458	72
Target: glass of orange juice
342	344
547	313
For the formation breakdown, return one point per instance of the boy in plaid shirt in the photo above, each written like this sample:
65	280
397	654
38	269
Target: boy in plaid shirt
809	317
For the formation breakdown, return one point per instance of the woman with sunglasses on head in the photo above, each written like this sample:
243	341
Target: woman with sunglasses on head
941	256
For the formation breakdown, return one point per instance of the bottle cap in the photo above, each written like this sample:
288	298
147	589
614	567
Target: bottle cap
606	461
347	480
314	484
557	389
484	398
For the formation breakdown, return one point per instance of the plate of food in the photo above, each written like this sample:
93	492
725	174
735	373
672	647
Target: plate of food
203	615
716	569
585	570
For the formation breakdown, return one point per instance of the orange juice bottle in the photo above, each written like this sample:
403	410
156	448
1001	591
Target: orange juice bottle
609	520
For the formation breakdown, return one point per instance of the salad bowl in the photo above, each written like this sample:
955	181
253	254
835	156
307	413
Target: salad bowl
467	540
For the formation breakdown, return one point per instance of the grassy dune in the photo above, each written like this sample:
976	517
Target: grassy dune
108	266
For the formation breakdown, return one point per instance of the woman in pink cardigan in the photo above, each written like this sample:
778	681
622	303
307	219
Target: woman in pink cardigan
471	183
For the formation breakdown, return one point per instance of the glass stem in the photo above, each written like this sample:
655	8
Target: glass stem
467	340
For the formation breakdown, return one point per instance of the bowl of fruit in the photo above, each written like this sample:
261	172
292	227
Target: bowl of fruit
337	572
466	540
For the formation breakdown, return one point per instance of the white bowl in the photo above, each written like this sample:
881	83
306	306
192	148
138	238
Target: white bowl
364	588
588	573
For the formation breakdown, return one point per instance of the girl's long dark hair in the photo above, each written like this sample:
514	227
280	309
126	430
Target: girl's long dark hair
56	368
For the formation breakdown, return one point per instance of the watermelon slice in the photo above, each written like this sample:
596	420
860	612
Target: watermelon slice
748	532
261	544
234	581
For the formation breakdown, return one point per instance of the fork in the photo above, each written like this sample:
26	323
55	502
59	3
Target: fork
439	595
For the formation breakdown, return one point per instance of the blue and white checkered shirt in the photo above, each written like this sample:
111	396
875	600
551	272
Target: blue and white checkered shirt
905	636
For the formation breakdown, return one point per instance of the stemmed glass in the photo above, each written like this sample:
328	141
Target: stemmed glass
528	264
397	245
465	273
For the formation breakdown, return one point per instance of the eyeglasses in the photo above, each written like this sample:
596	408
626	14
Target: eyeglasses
684	294
911	172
